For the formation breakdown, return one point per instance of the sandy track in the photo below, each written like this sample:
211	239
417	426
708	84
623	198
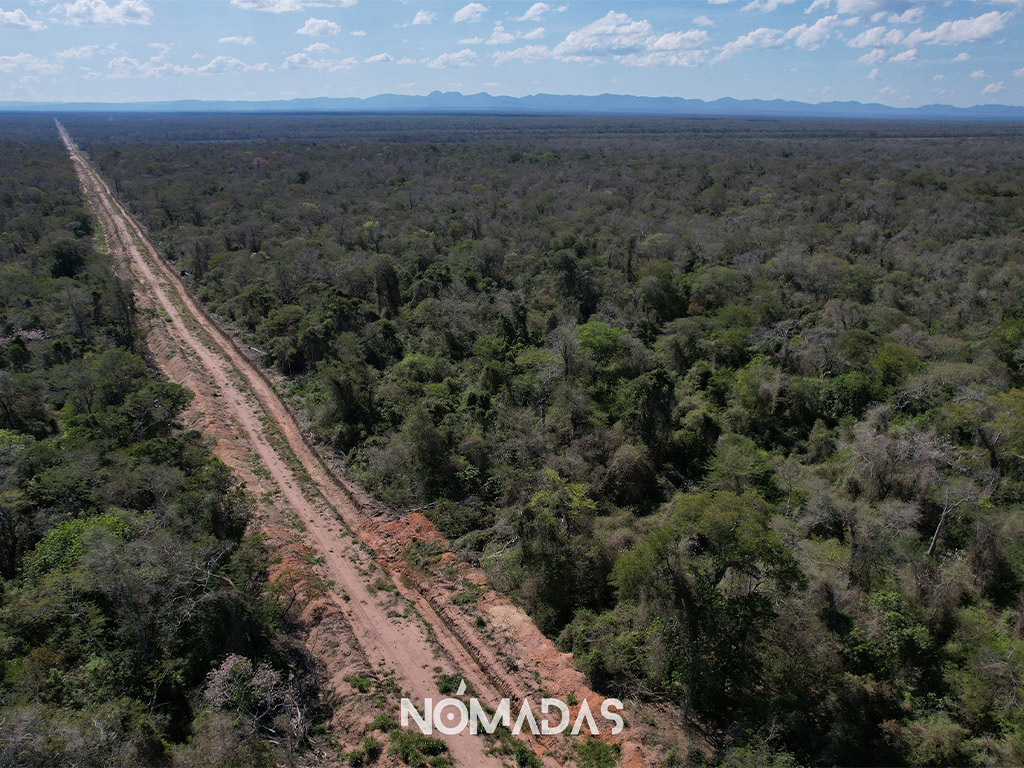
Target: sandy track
239	402
399	646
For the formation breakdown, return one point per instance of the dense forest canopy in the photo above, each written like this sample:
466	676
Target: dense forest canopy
134	626
733	408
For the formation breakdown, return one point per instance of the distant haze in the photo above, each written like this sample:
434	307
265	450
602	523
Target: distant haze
611	104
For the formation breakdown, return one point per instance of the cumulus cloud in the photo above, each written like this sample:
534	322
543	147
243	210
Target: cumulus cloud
358	33
993	88
319	48
1018	72
28	62
612	32
873	75
237	40
464	58
501	36
978	74
811	37
423	17
762	37
528	53
470	13
663	59
379	58
876	37
471	41
101	12
962	57
909	16
289	6
124	67
908	55
537	10
227	64
765	6
305	61
703	21
77	52
876	56
318	28
961	30
631	42
19	19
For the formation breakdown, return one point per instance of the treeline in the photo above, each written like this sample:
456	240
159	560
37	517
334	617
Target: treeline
134	627
733	408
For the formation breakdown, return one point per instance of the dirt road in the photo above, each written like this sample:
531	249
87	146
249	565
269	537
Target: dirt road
239	405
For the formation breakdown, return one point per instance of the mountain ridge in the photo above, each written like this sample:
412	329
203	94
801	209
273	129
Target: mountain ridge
545	103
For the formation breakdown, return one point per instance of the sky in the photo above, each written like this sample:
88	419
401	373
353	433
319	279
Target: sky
895	52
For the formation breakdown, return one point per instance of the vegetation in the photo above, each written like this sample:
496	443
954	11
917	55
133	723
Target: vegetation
733	408
133	626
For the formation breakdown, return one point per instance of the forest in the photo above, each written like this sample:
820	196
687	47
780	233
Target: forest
135	623
733	408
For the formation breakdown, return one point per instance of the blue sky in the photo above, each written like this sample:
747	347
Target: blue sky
897	52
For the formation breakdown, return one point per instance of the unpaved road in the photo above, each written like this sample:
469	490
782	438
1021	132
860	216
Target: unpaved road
255	426
404	649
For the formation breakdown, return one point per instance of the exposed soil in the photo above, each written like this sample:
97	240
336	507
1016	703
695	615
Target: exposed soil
341	561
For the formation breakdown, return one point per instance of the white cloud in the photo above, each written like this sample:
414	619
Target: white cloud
763	37
18	18
818	4
319	48
663	59
765	6
978	74
78	52
811	37
875	37
993	88
908	55
289	6
876	56
703	21
909	16
961	30
612	32
674	41
423	17
528	53
27	62
101	12
225	64
962	57
318	28
470	13
464	58
237	40
379	58
305	61
873	75
886	91
938	77
533	34
127	67
535	11
358	33
500	37
1018	72
471	41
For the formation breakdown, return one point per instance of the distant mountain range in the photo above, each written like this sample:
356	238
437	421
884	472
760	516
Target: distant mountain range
543	103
